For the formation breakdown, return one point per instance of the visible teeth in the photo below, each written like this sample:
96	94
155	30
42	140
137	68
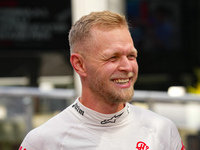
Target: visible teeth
121	81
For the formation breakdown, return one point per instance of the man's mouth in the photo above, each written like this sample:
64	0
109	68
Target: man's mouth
121	81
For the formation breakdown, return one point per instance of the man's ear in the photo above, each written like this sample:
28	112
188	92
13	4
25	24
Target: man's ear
78	64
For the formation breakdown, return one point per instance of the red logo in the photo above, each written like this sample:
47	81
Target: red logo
183	147
21	148
142	146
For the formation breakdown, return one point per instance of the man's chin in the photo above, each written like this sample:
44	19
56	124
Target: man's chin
123	98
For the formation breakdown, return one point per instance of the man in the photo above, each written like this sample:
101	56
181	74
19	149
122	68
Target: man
103	54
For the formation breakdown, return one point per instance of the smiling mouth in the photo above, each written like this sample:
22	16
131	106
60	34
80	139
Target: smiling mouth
121	81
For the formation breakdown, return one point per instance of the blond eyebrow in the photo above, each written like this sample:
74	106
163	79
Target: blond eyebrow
106	53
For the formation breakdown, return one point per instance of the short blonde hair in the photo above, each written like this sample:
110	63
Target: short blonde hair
105	20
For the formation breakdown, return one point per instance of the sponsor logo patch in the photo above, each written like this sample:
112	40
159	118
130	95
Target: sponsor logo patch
78	109
21	148
111	120
142	146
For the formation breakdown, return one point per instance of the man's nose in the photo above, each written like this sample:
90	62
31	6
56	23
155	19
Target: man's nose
125	64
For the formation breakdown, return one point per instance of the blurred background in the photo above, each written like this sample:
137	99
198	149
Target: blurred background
37	80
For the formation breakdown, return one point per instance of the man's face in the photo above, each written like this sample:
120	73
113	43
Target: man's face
111	65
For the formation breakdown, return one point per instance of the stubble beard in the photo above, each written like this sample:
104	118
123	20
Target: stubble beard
111	94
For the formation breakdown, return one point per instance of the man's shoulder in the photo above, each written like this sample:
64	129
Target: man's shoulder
149	118
161	127
50	132
49	126
56	123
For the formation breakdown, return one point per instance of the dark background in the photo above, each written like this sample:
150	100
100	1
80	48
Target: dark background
30	29
166	34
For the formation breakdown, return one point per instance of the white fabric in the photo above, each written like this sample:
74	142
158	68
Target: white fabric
79	128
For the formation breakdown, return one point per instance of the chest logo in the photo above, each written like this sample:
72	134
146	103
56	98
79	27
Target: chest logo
111	120
142	146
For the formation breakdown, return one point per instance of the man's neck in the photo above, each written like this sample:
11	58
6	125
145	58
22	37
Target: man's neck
100	105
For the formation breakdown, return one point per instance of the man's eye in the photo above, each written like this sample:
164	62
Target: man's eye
132	56
113	58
